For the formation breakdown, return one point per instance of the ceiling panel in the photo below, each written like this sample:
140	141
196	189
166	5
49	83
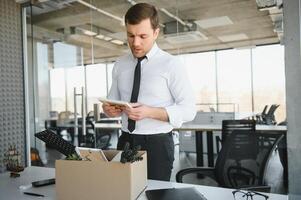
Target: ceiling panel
67	16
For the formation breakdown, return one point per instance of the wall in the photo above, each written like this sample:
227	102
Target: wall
12	115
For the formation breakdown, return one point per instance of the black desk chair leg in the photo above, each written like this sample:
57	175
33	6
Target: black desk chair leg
199	148
210	148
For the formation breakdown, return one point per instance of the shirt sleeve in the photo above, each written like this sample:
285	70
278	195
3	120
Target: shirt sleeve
184	108
114	92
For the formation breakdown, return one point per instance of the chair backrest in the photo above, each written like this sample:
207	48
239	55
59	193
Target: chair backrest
243	158
269	118
264	110
228	126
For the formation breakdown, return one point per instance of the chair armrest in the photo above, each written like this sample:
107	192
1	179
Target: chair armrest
206	171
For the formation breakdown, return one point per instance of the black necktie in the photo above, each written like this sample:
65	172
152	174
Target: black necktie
135	91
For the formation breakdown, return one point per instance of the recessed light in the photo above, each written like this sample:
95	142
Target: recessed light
89	33
234	37
119	42
106	38
100	36
214	22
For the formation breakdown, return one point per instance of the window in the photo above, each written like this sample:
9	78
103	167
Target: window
201	72
65	55
269	79
96	84
75	79
234	80
57	89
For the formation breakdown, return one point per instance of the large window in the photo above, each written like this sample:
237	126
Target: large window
75	83
93	78
234	79
243	81
96	83
65	55
201	71
58	89
269	79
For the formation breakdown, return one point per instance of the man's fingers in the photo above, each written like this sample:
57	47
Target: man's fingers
134	116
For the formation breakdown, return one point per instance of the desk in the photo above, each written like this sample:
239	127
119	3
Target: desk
9	187
208	128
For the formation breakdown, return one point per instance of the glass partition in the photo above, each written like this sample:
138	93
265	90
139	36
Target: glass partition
74	44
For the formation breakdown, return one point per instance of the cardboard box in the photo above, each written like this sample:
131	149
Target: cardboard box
85	180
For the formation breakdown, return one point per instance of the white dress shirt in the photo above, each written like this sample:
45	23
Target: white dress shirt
164	83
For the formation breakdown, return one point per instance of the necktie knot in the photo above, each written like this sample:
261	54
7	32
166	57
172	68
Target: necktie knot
141	58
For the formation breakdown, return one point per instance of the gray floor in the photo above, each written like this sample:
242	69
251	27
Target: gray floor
183	160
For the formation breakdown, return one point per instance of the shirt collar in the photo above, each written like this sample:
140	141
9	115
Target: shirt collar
151	52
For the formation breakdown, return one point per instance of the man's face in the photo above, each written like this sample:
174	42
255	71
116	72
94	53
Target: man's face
141	37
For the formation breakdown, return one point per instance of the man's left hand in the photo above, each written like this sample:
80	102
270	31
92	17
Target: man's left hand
138	111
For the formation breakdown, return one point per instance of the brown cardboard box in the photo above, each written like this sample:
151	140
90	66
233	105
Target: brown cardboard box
85	180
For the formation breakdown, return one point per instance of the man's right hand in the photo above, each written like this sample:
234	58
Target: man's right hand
112	110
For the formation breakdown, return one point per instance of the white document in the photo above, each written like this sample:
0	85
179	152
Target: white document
115	102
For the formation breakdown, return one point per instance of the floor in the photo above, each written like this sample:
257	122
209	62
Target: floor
184	160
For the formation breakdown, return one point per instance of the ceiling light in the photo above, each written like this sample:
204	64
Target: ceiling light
234	37
185	37
106	38
119	35
90	33
118	42
214	22
100	36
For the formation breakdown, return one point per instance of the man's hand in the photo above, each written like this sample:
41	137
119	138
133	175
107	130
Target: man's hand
140	111
112	110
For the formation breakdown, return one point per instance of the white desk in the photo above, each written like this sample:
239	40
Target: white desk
9	187
199	129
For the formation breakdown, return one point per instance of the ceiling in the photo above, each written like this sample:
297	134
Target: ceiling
186	25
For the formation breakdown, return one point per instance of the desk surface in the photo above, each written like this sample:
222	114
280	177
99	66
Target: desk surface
198	127
9	187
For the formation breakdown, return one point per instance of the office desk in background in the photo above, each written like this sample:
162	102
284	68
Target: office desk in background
209	129
9	187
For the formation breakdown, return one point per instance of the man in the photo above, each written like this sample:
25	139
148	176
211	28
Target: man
157	86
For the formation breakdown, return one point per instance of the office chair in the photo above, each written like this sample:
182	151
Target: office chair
261	115
269	118
242	161
229	126
102	139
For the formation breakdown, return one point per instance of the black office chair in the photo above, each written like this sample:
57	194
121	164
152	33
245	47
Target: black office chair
267	117
228	126
102	139
261	115
103	134
241	162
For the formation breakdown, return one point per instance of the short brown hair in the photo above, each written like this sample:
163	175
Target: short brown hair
142	11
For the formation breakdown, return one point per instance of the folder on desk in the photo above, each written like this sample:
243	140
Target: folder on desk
175	194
